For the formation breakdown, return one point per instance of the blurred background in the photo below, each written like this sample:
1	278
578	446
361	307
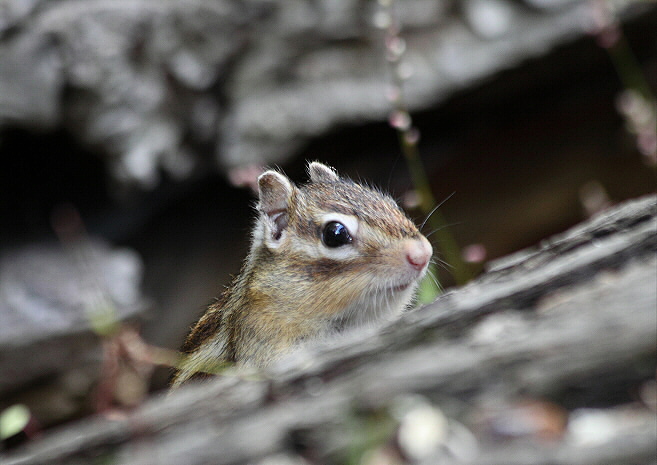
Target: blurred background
130	133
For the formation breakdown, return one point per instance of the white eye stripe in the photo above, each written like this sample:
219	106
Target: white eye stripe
350	222
345	252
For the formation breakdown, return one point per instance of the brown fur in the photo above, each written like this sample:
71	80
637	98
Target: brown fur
283	295
205	328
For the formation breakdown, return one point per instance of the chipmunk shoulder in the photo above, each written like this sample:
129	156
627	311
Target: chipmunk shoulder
324	256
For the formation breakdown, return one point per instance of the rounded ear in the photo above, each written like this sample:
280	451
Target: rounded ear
319	172
275	192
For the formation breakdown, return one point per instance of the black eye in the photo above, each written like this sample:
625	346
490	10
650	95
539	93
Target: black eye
335	234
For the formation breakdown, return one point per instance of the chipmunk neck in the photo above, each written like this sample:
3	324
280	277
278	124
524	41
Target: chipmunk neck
261	314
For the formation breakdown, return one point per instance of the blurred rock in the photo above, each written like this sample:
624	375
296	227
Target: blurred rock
31	80
51	301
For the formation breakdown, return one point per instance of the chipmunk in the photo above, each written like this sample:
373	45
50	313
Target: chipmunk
325	256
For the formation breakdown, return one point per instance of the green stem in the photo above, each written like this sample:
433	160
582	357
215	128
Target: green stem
628	68
445	241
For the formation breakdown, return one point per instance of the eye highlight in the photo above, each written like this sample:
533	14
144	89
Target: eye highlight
335	234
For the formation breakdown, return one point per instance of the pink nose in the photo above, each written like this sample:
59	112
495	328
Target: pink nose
418	252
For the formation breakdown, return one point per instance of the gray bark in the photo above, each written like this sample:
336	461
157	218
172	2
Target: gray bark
152	85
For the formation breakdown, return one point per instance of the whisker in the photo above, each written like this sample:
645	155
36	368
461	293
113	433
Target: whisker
435	281
392	170
442	264
443	227
436	208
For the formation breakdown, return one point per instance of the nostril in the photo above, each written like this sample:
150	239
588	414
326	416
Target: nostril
416	262
418	254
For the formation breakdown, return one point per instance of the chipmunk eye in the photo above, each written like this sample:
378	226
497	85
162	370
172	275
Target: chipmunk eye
335	234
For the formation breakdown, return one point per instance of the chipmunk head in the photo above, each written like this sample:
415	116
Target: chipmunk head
349	251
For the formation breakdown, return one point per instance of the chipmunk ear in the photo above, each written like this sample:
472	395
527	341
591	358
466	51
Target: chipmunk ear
319	172
275	192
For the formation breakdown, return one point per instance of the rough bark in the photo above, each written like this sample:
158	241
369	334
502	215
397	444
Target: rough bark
153	85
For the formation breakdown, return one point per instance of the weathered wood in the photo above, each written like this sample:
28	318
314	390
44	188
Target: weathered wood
139	80
573	322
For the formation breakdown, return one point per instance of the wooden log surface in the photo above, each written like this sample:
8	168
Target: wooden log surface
548	358
170	62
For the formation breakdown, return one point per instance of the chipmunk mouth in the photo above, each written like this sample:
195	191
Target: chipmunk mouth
400	287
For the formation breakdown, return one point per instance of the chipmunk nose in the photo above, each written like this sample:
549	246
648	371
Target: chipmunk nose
418	252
